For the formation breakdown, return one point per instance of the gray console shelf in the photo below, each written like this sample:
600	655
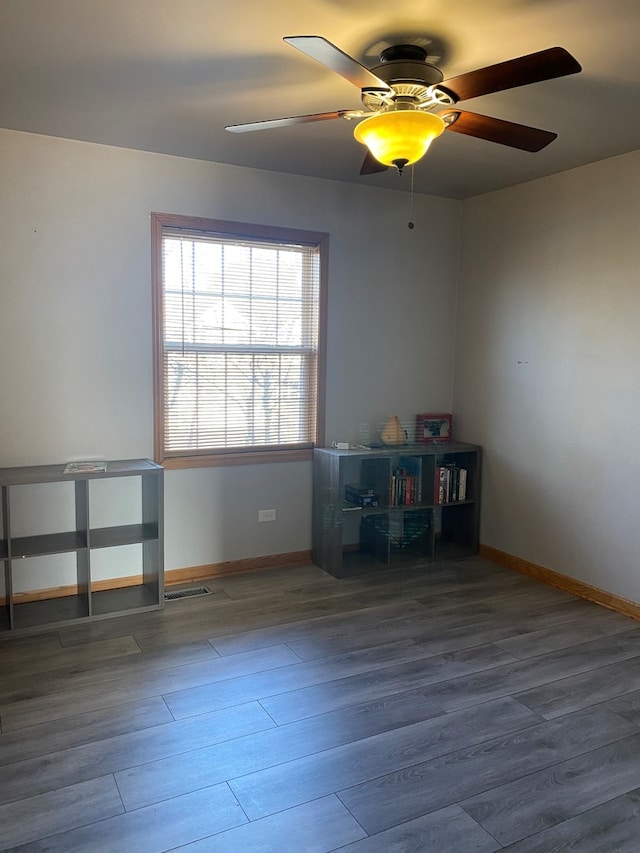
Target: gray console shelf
427	500
85	601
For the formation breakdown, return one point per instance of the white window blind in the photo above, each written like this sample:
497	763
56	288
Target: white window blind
239	329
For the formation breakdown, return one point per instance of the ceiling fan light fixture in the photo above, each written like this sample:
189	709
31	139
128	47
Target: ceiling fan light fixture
399	137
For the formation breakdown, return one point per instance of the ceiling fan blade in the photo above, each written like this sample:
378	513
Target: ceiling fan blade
371	166
286	122
533	68
332	57
497	130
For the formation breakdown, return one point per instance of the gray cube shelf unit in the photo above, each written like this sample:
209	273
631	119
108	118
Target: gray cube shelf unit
423	505
85	602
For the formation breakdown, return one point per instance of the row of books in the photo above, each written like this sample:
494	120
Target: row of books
451	484
406	488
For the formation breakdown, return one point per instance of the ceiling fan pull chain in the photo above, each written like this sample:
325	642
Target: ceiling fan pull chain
411	224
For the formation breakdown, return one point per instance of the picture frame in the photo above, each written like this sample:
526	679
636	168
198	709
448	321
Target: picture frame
434	428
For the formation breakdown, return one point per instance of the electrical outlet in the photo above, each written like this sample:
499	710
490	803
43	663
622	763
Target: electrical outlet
266	515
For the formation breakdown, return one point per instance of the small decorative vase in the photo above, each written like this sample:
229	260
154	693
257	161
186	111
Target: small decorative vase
393	432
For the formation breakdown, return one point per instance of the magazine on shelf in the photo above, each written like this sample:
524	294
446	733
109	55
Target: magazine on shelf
84	467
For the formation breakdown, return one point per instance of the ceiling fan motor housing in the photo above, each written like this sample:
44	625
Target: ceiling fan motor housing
405	69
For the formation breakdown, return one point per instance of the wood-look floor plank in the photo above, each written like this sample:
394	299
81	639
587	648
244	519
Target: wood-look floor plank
159	780
414	621
467	571
381	588
56	658
519	597
108	629
88	728
593	625
449	830
487	608
348	623
285	579
406	659
423	670
295	782
494	679
182	820
452	632
136	667
172	614
516	678
613	827
245	615
32	776
417	628
169	625
435	581
406	794
26	821
584	689
527	806
29	711
25	647
317	827
627	706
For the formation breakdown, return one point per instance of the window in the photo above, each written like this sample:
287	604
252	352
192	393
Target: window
239	341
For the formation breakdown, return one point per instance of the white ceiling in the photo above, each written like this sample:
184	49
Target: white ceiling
168	75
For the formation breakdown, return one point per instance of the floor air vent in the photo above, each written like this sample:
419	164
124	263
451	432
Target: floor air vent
186	593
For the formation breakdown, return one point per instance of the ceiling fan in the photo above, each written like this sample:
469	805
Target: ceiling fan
408	103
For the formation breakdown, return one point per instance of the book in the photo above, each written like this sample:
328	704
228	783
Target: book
462	486
450	483
447	485
361	495
403	488
84	467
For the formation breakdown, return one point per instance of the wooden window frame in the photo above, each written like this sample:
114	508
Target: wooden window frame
161	222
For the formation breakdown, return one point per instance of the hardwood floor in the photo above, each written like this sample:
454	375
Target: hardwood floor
455	708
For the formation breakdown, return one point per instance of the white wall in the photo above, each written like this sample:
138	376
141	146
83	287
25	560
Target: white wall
547	369
75	320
